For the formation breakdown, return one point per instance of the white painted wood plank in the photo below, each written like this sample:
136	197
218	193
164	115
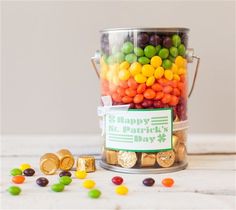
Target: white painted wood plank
208	183
86	144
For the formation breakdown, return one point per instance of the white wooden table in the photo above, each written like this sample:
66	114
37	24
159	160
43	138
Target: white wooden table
209	182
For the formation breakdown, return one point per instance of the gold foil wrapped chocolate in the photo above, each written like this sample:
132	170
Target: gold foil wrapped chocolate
86	163
181	153
182	135
175	142
127	159
166	159
49	163
111	157
148	159
66	159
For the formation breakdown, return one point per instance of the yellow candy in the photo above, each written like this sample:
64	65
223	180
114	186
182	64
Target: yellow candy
140	78
109	75
104	71
124	74
148	70
174	68
114	68
168	74
115	80
156	61
24	166
159	72
180	61
81	174
182	71
122	190
150	81
176	77
135	68
124	65
89	183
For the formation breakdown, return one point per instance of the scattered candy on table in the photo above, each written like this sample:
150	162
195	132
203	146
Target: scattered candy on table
94	193
81	174
149	182
16	171
14	190
66	180
42	181
19	179
121	190
24	166
57	187
168	182
65	173
89	184
29	172
117	180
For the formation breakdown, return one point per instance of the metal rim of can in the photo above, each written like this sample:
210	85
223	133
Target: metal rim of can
178	167
134	29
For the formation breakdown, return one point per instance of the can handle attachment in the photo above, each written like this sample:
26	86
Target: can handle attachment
190	57
95	61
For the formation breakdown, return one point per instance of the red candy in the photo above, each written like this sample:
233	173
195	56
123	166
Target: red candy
168	182
117	180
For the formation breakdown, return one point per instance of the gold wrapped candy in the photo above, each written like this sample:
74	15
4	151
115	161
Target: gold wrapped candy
66	159
175	142
86	163
181	153
111	157
166	159
182	135
148	159
49	163
127	159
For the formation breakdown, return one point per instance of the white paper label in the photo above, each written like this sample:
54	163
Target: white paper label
145	130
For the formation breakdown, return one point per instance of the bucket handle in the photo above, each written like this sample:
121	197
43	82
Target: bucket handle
190	57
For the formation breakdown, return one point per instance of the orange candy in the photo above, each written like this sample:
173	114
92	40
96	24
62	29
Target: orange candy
18	179
132	83
127	99
166	98
157	87
168	182
176	92
174	101
112	87
167	89
141	88
116	97
138	98
159	95
123	84
149	93
130	92
163	81
121	91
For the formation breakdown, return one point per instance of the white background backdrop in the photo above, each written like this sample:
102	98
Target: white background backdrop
49	86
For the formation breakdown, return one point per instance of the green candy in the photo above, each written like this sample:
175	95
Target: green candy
95	193
158	48
171	58
131	58
174	51
127	47
119	57
138	51
166	64
181	50
16	172
111	60
14	190
115	49
66	180
176	41
144	60
163	53
57	187
149	51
